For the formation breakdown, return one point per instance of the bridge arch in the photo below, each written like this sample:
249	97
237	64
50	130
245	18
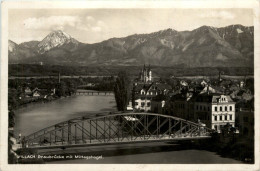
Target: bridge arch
116	128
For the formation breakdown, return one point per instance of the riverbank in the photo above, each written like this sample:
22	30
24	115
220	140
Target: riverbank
236	148
38	101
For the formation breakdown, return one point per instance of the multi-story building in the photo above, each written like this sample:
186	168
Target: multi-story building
181	105
144	93
144	90
158	104
245	118
215	110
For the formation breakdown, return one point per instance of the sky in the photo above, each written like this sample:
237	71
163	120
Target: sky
96	25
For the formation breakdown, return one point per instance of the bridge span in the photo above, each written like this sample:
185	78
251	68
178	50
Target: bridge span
94	93
115	128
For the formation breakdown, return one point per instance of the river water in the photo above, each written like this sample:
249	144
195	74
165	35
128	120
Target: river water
37	116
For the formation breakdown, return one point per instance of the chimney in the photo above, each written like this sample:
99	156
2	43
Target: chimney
208	89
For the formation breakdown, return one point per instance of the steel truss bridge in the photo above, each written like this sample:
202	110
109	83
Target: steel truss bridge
104	129
95	93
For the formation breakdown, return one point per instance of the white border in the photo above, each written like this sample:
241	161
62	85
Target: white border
253	4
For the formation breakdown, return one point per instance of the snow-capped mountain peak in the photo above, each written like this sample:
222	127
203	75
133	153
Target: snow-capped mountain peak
55	39
11	46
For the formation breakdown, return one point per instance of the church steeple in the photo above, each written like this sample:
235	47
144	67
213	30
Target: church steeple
146	74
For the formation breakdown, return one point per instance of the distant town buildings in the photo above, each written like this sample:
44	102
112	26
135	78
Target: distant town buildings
212	102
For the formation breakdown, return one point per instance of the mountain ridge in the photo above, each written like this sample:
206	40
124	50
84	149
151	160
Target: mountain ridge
205	46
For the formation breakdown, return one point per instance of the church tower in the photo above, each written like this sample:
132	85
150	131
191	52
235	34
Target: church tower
146	74
149	73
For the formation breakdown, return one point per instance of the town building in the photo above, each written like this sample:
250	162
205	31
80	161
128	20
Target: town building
245	118
182	105
215	110
158	104
36	92
27	91
144	90
144	93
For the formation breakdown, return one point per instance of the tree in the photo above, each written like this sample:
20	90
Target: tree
11	157
122	90
61	89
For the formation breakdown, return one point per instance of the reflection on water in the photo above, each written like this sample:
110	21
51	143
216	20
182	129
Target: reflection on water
37	116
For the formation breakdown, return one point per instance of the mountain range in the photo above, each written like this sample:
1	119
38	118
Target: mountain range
231	46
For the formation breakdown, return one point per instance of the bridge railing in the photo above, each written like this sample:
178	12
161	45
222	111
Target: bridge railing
116	128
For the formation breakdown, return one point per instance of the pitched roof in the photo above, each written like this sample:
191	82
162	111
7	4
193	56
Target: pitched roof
214	98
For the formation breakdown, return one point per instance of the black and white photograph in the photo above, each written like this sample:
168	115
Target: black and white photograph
130	85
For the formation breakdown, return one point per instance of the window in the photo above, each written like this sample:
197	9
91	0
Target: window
142	104
142	98
216	108
216	127
225	108
136	103
148	104
220	117
220	108
208	109
216	118
230	117
225	117
230	108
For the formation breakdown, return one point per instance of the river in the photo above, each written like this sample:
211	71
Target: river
37	116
